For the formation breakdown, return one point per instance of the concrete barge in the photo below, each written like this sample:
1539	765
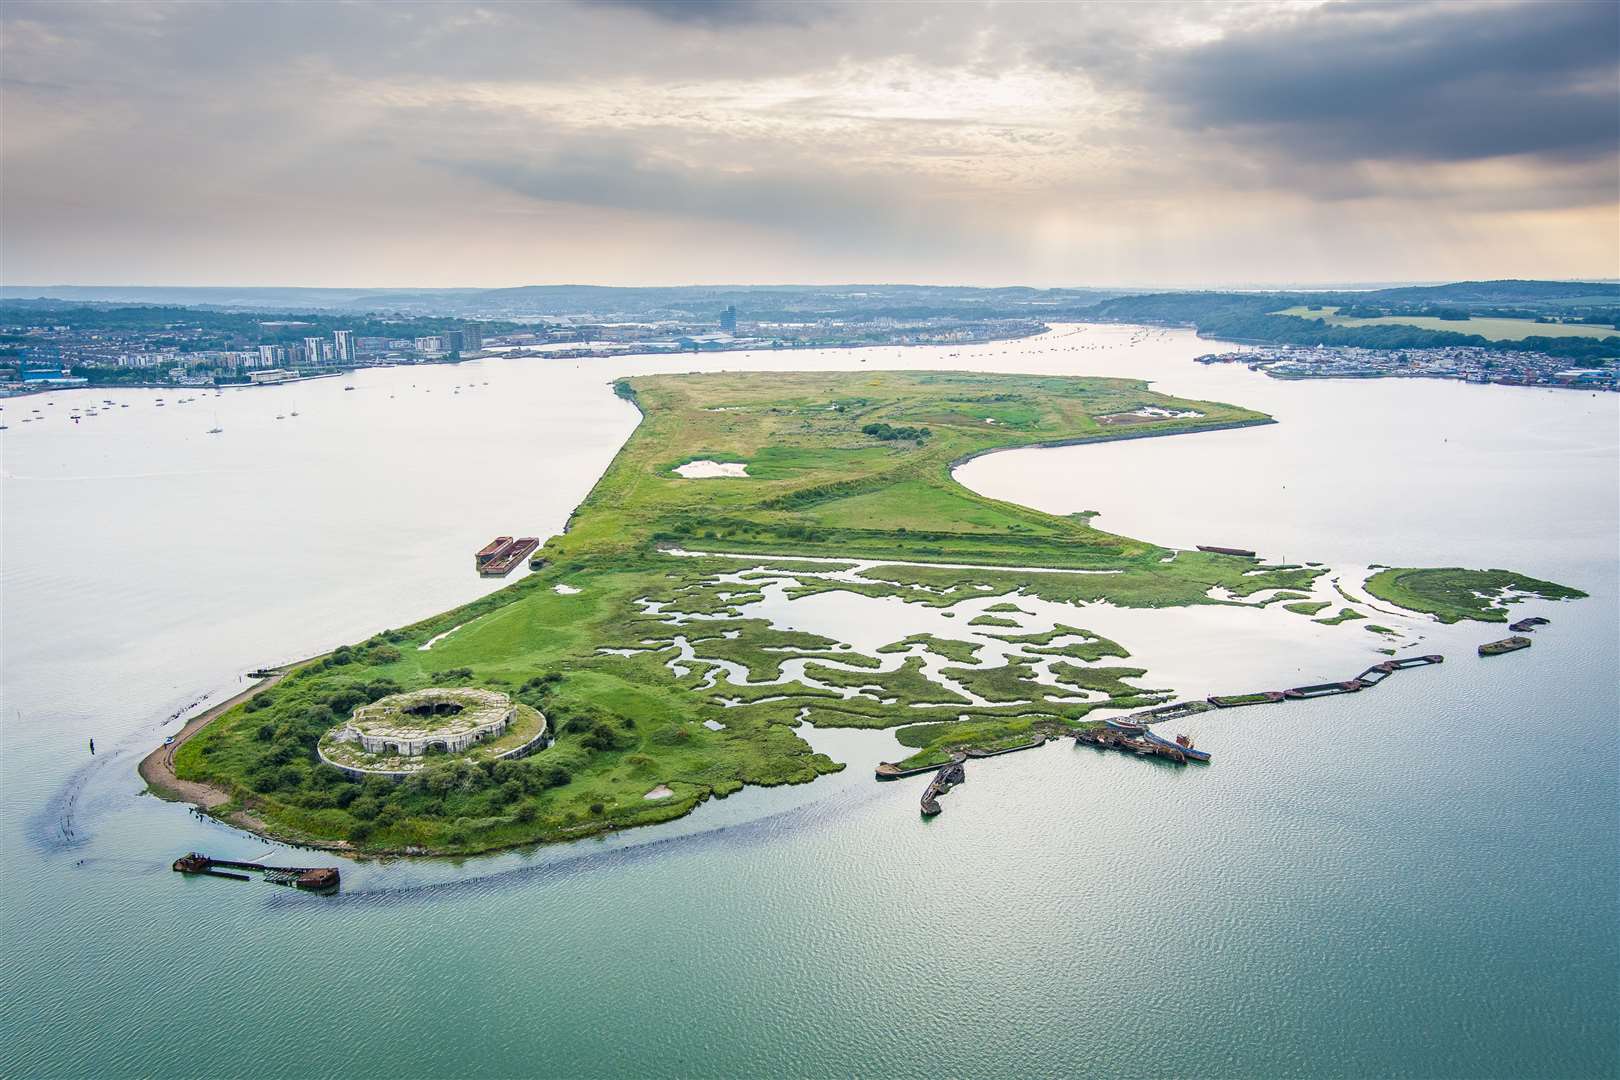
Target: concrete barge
1506	645
1524	626
1215	549
888	770
1040	740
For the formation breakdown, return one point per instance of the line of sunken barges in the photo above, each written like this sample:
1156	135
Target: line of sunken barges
1133	734
500	555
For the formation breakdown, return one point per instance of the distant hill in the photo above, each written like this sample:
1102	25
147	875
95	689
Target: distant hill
757	302
1511	291
1254	317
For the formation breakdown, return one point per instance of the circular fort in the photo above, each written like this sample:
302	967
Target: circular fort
403	733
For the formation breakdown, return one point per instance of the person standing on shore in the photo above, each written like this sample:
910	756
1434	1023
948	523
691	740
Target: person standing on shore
92	748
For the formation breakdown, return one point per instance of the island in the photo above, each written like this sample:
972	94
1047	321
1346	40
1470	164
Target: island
630	677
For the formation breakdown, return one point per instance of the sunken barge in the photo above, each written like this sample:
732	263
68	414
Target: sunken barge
316	879
946	778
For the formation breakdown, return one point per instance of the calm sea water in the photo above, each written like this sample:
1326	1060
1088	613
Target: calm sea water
1417	881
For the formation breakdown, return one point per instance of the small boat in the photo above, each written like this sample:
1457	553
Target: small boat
215	430
348	388
280	417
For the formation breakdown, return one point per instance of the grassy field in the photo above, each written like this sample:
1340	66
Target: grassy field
1491	329
1451	593
641	697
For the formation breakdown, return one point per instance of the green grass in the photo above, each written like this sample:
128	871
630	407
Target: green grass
1306	607
1452	593
817	487
1345	615
1489	328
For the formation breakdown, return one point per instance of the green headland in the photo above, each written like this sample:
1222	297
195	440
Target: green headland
661	692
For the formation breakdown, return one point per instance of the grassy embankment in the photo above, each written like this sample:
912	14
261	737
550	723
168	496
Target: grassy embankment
1491	328
1452	593
817	486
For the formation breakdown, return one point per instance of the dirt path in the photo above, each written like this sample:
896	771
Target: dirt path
157	768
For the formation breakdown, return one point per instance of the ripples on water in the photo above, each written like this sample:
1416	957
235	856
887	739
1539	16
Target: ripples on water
1419	879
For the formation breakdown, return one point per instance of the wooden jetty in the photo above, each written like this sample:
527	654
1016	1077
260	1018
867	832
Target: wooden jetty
1506	645
317	879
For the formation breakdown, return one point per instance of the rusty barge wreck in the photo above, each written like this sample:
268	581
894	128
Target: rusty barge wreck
500	555
946	778
316	879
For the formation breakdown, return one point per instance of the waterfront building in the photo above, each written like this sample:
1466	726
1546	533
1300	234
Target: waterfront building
728	319
312	349
344	342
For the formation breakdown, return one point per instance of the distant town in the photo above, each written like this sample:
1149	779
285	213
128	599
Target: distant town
82	345
1469	364
1536	333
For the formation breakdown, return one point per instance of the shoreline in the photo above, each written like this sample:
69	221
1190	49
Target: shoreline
157	769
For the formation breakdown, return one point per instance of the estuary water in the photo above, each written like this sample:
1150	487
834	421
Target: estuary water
1415	881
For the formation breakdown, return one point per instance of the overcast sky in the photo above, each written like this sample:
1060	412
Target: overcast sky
485	144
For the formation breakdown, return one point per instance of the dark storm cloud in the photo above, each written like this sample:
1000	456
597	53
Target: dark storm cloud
1443	83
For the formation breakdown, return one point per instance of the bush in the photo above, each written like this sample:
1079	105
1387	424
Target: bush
526	813
598	809
888	433
602	736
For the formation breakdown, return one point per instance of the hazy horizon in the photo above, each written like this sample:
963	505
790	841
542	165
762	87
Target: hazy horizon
1172	145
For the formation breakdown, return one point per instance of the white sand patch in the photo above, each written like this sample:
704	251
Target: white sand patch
714	725
660	792
564	590
708	470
